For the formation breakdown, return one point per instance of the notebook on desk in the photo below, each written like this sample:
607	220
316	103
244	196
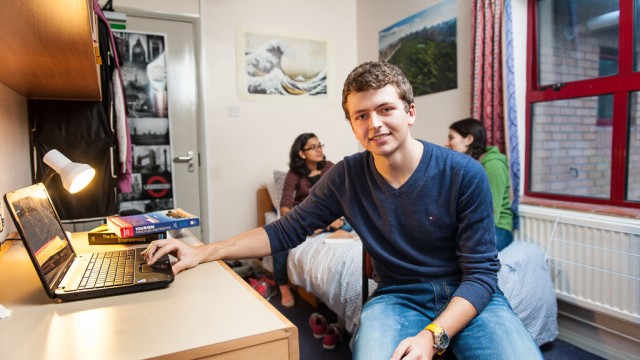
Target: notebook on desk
67	275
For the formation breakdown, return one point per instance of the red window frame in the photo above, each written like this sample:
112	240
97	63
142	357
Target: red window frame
620	85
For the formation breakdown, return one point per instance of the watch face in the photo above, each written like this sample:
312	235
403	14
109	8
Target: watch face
442	341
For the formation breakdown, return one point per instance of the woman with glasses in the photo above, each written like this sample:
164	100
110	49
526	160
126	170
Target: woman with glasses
307	164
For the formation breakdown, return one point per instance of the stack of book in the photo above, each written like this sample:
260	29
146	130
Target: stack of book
141	228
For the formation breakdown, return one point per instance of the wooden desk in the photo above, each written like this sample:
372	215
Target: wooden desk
207	312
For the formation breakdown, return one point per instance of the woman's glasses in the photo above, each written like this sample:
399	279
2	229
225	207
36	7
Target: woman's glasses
314	147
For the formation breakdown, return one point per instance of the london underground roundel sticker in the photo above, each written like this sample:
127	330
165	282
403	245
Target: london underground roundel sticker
157	186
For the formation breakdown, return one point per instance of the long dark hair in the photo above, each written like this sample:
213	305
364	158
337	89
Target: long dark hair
297	164
473	127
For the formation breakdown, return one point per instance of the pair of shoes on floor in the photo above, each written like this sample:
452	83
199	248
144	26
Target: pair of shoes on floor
318	325
264	286
330	334
333	336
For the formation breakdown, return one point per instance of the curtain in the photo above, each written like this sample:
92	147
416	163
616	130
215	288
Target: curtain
486	85
487	95
512	114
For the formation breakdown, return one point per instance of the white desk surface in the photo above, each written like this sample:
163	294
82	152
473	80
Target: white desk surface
204	307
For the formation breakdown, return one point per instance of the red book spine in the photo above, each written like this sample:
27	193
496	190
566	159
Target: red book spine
125	228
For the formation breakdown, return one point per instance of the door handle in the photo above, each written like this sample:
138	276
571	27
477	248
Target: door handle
186	159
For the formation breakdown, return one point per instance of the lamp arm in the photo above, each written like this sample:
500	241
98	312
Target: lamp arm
48	176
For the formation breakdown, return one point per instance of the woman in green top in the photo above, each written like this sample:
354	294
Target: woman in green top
468	136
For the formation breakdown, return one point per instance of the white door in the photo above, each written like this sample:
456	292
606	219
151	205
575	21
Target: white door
182	99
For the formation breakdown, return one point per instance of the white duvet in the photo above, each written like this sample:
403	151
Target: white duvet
333	273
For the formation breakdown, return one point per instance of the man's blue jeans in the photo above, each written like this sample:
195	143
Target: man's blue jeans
396	312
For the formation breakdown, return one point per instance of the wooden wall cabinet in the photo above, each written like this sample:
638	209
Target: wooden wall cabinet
48	49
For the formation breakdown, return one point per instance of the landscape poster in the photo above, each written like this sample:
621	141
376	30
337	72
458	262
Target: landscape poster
423	45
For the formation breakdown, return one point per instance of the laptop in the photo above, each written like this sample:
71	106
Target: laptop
67	275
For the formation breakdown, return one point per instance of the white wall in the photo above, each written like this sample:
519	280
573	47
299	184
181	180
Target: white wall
14	148
243	151
435	111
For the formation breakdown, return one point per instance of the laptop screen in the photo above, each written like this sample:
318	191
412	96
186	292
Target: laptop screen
41	232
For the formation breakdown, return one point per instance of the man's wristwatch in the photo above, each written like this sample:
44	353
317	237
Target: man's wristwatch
440	338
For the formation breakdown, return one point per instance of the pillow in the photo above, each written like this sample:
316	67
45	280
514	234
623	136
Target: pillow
270	217
535	303
275	188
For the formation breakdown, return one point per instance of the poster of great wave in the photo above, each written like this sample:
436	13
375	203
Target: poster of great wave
274	67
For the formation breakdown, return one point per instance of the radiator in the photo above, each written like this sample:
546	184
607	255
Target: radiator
594	260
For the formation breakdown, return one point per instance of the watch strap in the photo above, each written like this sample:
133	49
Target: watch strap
437	332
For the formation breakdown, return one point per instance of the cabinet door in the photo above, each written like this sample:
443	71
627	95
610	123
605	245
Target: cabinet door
47	49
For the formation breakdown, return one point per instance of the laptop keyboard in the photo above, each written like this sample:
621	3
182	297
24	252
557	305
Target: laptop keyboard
108	269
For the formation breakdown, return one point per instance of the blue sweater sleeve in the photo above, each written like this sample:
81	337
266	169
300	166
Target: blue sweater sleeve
476	249
315	212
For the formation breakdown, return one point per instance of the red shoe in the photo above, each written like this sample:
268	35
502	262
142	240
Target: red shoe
263	286
333	335
318	325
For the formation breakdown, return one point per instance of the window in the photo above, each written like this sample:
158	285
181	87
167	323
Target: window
607	65
633	161
583	101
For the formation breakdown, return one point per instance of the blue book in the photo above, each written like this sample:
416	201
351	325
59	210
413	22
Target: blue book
153	222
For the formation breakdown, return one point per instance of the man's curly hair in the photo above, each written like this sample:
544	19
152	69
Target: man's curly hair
373	76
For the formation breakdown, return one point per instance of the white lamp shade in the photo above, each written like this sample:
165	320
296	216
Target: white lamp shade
75	176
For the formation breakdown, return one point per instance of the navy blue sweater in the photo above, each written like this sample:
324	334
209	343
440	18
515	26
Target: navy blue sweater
437	226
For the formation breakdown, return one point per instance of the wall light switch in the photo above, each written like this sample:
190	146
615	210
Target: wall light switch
234	111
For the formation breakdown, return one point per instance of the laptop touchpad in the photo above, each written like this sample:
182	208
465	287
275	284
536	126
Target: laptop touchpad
162	265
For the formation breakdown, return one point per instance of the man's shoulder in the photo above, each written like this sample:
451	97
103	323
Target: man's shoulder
449	163
356	158
354	163
444	155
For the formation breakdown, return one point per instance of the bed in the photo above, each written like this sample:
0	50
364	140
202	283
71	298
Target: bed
331	272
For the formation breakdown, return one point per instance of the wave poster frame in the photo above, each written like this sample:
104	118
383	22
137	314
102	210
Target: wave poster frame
274	66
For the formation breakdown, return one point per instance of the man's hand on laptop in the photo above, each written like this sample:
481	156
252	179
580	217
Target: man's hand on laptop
188	256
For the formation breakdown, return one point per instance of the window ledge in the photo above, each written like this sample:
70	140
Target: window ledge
587	208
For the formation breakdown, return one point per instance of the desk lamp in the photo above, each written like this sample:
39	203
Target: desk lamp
75	176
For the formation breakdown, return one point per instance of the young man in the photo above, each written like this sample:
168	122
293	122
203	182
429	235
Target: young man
424	214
